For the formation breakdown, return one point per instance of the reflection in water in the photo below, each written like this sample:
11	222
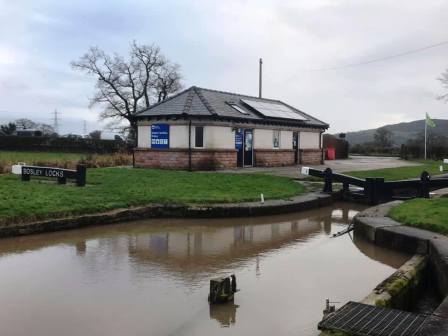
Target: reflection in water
153	275
224	313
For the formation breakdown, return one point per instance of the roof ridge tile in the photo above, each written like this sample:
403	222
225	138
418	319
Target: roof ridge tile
204	100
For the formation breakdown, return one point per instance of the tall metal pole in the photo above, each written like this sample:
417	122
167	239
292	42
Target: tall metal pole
426	126
260	78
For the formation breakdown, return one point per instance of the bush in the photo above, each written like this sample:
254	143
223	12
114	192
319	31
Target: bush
370	148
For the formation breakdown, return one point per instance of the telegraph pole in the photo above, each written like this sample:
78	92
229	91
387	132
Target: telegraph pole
55	120
260	78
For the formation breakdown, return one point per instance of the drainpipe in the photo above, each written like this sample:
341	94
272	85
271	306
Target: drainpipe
189	145
322	152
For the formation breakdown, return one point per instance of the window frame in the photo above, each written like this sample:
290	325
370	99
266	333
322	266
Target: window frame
238	108
196	136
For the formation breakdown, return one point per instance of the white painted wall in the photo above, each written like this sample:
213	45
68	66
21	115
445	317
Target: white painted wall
222	137
263	139
144	136
309	140
286	139
218	137
179	136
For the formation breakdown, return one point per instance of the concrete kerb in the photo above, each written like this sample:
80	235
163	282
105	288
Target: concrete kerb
375	226
269	207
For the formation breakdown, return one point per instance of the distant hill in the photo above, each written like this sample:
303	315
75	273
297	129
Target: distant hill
401	132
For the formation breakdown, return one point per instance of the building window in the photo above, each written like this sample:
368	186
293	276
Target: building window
199	136
238	108
276	139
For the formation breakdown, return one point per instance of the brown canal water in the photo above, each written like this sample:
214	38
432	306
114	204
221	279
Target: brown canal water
151	277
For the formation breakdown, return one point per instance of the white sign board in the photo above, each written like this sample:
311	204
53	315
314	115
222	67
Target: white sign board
445	161
305	170
16	169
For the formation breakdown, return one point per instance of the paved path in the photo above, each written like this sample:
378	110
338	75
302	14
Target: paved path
352	164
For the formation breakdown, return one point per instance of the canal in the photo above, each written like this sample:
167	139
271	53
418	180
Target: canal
151	277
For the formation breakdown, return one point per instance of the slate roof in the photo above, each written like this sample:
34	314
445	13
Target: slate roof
201	102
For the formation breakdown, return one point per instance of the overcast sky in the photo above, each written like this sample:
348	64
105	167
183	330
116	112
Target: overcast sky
218	44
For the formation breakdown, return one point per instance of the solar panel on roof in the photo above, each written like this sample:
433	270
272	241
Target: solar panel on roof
274	110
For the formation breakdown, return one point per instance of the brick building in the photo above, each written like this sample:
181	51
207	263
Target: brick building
207	129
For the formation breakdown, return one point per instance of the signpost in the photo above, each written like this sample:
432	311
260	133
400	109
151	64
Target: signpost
79	175
160	136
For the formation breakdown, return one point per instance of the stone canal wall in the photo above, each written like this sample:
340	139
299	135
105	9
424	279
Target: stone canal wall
403	287
375	226
269	207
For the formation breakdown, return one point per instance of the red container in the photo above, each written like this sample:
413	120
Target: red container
331	153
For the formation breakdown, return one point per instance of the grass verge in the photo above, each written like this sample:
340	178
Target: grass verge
429	214
400	173
111	188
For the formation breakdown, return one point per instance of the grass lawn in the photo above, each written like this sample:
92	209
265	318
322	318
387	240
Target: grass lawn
30	157
400	173
429	214
111	188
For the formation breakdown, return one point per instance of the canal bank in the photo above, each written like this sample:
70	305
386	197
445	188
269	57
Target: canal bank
245	209
375	226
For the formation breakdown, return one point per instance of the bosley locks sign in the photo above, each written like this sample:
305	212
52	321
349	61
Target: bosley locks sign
160	136
79	175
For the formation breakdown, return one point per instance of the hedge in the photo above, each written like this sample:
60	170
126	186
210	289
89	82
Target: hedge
54	144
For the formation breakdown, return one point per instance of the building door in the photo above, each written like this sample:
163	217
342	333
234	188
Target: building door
248	147
295	146
239	142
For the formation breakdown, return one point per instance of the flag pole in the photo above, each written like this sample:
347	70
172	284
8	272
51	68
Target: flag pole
426	126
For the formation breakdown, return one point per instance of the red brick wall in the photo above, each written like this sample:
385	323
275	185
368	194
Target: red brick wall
311	156
273	157
201	159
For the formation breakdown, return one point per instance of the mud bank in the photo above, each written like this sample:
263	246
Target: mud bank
249	209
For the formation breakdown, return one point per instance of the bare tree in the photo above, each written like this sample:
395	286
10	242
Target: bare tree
8	129
23	124
124	87
96	135
168	81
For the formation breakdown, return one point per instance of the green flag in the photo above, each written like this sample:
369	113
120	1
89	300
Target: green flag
429	121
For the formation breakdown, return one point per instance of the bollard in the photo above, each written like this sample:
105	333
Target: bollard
424	185
81	175
328	185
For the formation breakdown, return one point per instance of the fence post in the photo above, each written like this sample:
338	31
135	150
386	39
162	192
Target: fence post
81	175
328	185
424	185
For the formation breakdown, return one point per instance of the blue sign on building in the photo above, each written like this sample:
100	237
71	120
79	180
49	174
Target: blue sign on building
160	136
238	139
